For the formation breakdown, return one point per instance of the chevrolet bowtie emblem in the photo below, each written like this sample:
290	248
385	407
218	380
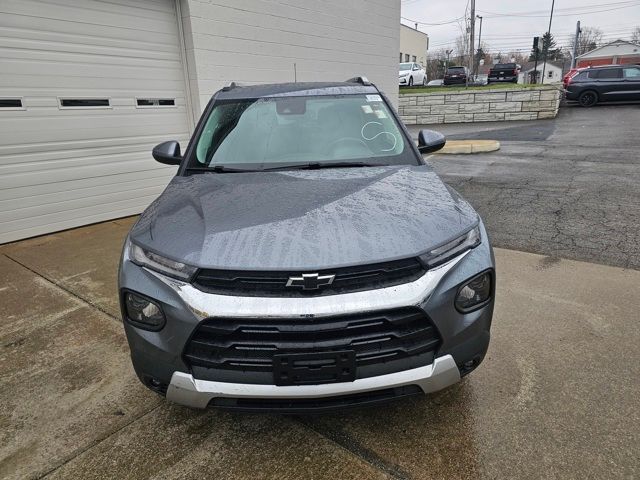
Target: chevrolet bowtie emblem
310	281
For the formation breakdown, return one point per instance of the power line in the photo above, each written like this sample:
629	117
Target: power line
447	22
575	12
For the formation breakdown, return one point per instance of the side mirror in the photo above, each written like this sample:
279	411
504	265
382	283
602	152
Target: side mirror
167	153
430	141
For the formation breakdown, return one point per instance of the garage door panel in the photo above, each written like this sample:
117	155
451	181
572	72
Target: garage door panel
165	130
17	154
48	106
45	10
150	9
84	59
73	69
112	83
42	176
13	27
38	173
61	168
52	47
24	216
57	222
13	198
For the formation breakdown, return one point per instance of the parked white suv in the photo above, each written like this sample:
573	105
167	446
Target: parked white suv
412	73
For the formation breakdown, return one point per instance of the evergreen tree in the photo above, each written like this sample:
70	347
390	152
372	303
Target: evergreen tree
548	45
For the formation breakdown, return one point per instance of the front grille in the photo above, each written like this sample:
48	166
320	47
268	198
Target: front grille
222	347
274	283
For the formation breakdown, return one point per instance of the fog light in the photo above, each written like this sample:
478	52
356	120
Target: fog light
475	293
142	312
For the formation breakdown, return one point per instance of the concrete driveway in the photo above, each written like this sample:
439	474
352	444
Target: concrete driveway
556	396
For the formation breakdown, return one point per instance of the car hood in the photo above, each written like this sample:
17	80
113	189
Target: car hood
404	72
302	219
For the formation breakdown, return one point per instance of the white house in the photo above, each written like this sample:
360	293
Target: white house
88	87
552	72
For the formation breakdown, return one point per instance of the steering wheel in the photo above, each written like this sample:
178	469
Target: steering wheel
348	140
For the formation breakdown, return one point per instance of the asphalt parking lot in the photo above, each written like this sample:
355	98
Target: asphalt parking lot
566	187
556	396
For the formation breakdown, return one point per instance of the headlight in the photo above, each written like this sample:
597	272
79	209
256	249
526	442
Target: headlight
143	312
446	252
475	293
142	257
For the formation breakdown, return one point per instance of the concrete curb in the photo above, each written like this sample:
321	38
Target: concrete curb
469	146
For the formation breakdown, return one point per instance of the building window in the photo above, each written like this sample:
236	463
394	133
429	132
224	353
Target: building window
11	103
406	57
400	57
415	59
155	102
550	74
84	103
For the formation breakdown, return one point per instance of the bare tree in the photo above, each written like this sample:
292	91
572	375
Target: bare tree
590	38
635	35
461	49
436	63
518	57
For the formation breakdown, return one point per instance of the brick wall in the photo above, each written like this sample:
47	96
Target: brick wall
479	105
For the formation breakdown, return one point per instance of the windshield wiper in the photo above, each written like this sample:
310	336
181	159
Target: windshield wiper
294	166
319	165
222	169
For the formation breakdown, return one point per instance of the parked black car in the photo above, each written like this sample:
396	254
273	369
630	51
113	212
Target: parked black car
504	72
611	83
456	76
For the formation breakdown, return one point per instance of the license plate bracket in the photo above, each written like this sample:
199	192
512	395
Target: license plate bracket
314	368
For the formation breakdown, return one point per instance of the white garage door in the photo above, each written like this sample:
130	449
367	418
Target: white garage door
87	88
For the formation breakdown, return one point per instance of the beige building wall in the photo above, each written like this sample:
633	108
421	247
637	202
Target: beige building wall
259	41
414	44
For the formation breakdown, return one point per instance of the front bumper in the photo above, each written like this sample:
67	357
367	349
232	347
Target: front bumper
186	390
158	356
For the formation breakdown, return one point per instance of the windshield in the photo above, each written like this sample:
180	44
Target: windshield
267	132
405	66
505	66
455	69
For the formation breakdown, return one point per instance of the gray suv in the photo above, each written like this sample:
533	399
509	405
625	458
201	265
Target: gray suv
305	257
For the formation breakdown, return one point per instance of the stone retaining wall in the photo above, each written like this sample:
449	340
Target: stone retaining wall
479	105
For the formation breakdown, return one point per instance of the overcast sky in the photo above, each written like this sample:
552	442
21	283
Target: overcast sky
616	18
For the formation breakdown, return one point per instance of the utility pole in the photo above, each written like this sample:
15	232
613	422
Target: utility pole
546	50
446	65
477	66
575	45
536	53
472	26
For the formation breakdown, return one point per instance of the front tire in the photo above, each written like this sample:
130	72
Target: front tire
411	81
588	99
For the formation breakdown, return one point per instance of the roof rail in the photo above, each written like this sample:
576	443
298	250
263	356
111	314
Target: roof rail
361	80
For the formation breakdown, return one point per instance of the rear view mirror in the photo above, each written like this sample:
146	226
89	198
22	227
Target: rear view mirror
167	153
430	141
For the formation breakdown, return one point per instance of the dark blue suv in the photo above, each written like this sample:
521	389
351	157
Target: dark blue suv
611	83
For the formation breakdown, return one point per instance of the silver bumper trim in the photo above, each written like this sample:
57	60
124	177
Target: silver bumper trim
208	305
186	390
